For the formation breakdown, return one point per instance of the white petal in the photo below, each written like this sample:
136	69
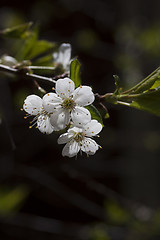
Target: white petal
65	55
92	128
64	138
74	130
83	95
56	57
44	125
71	149
51	102
64	87
33	104
60	119
89	146
80	116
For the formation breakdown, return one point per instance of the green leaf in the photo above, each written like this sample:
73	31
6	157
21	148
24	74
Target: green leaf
149	101
19	31
75	72
148	83
26	47
46	60
144	96
40	47
95	114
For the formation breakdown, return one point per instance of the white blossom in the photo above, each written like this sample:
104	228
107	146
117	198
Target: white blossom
33	105
67	104
63	56
80	139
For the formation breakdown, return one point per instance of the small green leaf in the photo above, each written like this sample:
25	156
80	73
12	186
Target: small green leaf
95	114
75	72
117	84
149	101
19	31
107	116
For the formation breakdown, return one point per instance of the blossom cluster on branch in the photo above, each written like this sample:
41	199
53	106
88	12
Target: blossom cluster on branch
65	109
70	105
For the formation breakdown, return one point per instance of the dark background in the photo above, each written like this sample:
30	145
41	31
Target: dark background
114	194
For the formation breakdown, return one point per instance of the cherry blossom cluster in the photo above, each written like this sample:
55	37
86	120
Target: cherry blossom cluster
65	109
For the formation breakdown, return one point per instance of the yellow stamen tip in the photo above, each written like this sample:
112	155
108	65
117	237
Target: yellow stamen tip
30	126
53	88
21	109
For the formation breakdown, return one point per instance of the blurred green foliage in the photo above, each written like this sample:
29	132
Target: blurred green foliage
12	199
25	39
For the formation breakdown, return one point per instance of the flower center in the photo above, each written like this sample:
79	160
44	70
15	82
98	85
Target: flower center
68	103
79	136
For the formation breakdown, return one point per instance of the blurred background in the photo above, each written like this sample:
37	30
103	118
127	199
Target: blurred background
115	194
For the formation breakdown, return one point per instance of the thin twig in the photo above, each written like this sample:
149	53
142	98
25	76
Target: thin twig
8	69
41	68
38	77
20	72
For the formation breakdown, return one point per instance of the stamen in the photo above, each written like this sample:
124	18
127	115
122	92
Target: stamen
34	119
27	115
68	103
33	125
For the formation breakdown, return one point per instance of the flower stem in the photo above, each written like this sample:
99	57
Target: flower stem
38	77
